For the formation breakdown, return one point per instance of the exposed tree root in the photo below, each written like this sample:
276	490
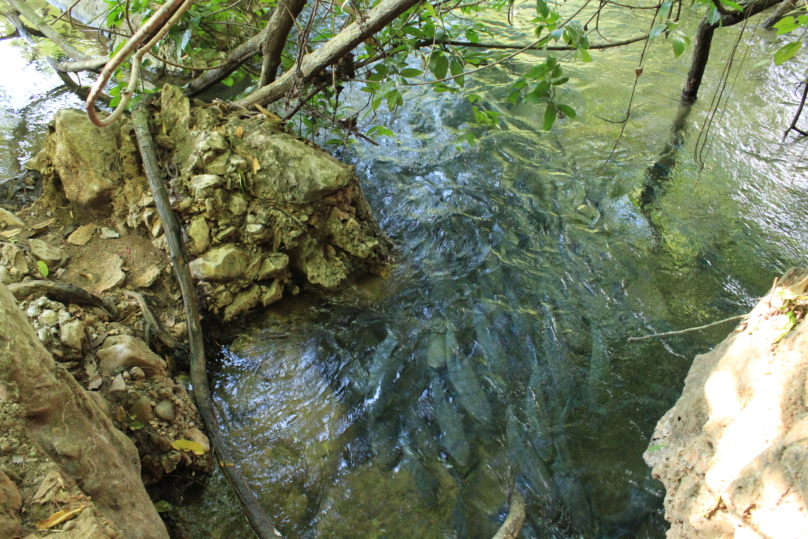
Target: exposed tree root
63	293
259	520
154	329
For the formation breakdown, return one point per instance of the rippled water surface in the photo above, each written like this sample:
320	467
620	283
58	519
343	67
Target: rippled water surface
494	356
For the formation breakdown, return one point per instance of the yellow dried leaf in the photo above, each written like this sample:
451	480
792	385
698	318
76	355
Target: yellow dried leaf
10	233
264	111
256	165
240	131
188	445
41	227
59	517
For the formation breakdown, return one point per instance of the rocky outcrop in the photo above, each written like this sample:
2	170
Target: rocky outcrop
70	428
264	211
733	451
261	206
85	158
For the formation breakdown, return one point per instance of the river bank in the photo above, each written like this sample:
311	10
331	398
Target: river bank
266	214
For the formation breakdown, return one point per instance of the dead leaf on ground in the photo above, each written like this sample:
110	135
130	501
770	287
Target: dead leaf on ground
39	228
49	487
264	111
59	517
240	131
256	165
10	233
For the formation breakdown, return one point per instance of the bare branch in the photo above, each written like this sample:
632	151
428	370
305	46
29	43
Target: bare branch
28	12
278	28
331	51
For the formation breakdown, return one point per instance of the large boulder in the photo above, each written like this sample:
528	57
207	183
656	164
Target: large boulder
85	158
733	451
71	429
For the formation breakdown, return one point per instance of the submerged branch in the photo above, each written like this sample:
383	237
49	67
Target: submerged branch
688	330
259	520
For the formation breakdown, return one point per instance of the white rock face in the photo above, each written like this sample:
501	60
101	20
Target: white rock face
733	451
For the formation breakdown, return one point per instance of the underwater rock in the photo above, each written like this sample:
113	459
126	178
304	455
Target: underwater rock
453	435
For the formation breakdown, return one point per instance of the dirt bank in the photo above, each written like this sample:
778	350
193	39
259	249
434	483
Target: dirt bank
733	451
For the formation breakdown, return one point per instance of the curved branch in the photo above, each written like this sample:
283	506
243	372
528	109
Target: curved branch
171	10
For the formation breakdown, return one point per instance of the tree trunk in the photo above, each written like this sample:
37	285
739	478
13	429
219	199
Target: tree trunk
279	26
701	53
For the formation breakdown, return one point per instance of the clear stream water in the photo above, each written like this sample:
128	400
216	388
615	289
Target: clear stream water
494	356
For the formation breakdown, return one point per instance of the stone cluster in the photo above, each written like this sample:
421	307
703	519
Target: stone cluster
261	206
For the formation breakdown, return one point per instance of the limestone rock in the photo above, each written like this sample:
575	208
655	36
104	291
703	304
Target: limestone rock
290	170
8	218
85	158
46	252
82	235
732	452
112	275
122	352
13	258
199	231
221	264
272	266
10	506
72	334
244	301
148	277
5	276
118	386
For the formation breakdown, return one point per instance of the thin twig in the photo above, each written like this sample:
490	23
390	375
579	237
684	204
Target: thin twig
667	333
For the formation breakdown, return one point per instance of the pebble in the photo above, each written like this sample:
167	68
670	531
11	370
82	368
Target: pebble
165	410
137	373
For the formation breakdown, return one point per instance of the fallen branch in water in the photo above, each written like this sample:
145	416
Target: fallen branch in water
667	333
512	526
259	520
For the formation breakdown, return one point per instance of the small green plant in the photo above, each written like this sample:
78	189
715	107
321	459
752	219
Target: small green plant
43	268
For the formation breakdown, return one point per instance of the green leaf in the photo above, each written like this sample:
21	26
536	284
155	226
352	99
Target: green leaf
733	5
664	10
162	506
136	425
542	8
549	116
786	25
568	111
43	268
456	67
380	130
228	81
431	10
394	99
655	447
410	72
375	103
786	52
678	46
439	65
713	15
657	29
559	82
541	91
585	56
